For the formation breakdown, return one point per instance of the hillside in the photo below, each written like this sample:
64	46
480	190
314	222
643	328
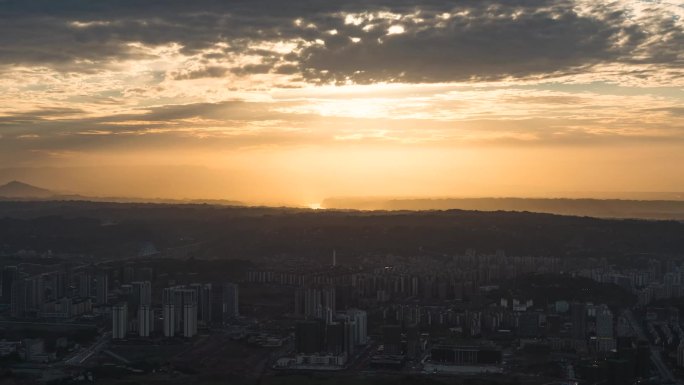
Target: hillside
601	208
16	189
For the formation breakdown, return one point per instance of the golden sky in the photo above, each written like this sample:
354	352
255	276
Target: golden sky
267	101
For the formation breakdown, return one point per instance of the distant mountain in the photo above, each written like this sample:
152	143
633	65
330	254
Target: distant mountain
602	208
16	189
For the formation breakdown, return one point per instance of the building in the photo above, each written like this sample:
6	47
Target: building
142	293
413	346
184	306
309	337
360	322
145	320
643	359
204	301
224	302
101	289
19	300
34	350
84	284
231	300
60	284
391	338
528	324
605	338
169	314
119	321
578	313
9	275
189	319
465	355
316	303
336	336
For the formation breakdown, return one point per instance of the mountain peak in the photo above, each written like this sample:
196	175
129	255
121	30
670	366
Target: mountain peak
17	189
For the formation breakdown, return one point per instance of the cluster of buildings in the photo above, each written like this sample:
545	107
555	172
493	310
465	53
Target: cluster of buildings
412	300
657	280
325	339
183	308
87	291
395	278
60	294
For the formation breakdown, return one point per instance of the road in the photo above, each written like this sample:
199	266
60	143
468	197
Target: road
83	355
656	358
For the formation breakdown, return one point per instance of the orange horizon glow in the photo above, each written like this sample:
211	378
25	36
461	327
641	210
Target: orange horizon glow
372	100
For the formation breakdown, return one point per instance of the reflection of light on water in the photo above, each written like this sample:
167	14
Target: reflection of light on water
315	206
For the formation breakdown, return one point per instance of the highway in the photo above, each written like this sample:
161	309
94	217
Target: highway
83	355
656	358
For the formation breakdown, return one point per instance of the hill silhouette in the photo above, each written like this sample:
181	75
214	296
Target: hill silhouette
602	208
16	189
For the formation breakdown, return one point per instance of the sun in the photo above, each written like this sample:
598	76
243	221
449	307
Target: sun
315	206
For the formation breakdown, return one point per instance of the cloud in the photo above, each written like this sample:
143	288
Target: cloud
83	76
206	72
374	41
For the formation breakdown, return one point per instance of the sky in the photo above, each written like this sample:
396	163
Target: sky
290	102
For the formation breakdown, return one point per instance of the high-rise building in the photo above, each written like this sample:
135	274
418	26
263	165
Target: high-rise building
84	284
27	296
204	301
224	302
309	337
31	298
336	337
169	314
142	292
604	322
189	319
127	273
60	283
316	303
578	312
360	322
19	299
604	329
9	275
391	338
413	347
184	303
528	324
680	355
119	321
231	300
145	320
101	289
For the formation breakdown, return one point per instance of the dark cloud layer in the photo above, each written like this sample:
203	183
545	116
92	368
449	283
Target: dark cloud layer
482	39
